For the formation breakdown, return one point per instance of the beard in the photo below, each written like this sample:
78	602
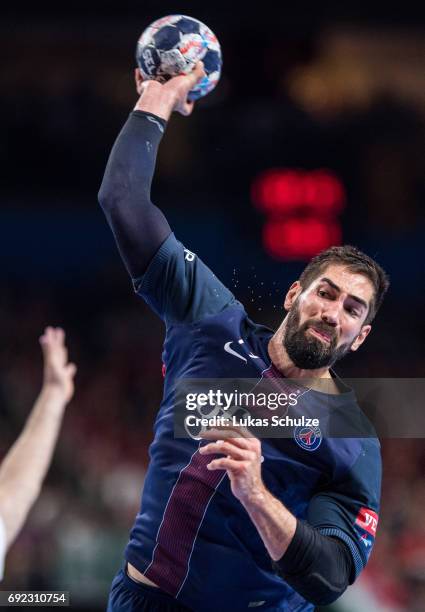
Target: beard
306	351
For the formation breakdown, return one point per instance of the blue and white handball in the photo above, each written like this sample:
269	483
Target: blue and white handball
172	45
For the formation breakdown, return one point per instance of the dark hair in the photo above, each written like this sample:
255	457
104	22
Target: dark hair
356	261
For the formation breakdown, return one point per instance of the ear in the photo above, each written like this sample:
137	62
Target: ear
365	331
294	291
138	78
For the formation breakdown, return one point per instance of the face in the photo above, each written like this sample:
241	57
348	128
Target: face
326	321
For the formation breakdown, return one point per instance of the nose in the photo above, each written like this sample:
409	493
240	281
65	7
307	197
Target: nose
330	314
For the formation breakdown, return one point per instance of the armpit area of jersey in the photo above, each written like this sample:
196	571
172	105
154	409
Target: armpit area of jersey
318	567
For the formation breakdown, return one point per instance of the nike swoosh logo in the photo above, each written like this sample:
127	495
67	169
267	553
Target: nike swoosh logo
232	352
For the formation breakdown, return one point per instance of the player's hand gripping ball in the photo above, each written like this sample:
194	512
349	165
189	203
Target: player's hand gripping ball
172	45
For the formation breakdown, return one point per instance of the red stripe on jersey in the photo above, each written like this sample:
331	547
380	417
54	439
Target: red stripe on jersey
183	517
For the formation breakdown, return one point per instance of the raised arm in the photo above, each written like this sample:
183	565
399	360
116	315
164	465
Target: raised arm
25	466
140	227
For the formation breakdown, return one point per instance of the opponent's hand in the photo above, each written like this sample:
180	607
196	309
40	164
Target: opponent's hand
58	373
242	460
162	99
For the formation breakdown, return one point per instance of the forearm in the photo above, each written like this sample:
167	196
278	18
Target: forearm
139	227
25	466
275	524
316	566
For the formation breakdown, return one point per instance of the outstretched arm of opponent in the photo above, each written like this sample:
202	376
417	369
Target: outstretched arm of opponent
24	467
140	227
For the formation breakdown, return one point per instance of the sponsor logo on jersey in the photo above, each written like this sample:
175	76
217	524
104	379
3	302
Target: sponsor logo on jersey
309	438
228	349
188	255
368	520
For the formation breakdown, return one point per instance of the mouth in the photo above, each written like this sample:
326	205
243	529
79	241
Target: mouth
320	334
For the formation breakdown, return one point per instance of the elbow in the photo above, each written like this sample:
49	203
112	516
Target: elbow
114	195
316	589
105	197
111	190
326	598
109	201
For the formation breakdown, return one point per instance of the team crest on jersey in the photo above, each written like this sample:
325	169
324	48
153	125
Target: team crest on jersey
366	540
309	438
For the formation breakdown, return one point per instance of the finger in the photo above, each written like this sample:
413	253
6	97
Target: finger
228	431
57	353
237	448
238	430
239	442
49	332
49	336
187	108
59	335
225	448
242	443
225	463
45	339
194	76
138	79
198	72
71	370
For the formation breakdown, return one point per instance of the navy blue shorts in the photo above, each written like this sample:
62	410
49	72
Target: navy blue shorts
127	595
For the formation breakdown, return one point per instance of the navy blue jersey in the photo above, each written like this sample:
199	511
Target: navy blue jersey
192	537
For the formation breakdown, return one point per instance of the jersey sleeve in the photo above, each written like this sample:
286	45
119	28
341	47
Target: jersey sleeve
179	287
349	509
2	547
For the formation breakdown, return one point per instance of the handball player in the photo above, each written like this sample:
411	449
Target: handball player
231	523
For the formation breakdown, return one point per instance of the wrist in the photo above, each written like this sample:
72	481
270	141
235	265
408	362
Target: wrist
156	100
52	392
256	499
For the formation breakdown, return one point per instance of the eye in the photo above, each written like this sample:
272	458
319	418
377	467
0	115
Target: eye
352	311
323	293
